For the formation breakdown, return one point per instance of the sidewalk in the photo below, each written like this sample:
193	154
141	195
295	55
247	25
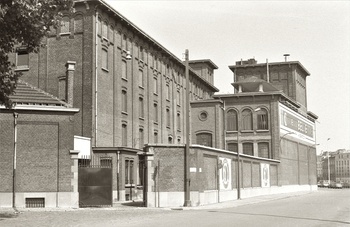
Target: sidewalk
132	205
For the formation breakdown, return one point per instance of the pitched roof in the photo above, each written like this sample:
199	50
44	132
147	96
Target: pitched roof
26	96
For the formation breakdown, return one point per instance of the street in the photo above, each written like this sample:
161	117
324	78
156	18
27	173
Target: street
325	207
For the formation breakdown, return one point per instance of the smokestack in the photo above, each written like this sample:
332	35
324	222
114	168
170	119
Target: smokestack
70	67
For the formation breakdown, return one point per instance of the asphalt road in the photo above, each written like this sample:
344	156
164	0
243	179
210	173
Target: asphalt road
326	207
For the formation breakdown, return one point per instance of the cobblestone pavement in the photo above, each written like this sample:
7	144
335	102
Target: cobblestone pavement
121	215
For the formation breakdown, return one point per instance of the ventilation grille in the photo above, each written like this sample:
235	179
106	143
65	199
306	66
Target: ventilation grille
35	202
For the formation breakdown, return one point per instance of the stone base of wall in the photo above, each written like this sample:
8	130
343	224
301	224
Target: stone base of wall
52	199
176	199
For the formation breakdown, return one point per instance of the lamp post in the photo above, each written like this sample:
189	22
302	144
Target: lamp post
238	160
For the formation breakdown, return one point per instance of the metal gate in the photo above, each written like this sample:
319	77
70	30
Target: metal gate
95	182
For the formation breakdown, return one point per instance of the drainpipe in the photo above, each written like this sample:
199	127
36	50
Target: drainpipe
96	61
15	115
118	197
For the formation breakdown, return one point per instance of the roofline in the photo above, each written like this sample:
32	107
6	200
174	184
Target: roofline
205	61
42	108
232	67
123	18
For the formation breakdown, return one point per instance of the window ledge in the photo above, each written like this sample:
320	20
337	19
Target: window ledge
65	33
156	94
262	130
142	118
22	68
125	79
155	122
104	69
125	113
231	131
247	131
141	87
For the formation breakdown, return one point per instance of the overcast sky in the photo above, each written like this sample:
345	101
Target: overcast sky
316	33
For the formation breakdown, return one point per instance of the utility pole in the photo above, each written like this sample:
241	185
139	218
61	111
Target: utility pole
187	147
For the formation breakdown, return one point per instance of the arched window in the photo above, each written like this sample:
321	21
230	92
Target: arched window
247	120
262	120
204	139
65	25
124	135
263	150
124	101
231	120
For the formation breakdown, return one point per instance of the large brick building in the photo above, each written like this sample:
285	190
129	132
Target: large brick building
130	89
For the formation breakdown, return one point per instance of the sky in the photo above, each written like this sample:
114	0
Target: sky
315	33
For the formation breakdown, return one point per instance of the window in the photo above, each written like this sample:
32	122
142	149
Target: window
232	147
178	121
141	54
155	85
155	114
167	118
170	140
105	30
141	107
248	149
124	42
106	162
124	101
62	88
178	97
263	150
141	78
65	25
167	91
104	59
247	120
231	120
78	23
204	139
22	60
124	70
99	26
262	119
124	135
141	138
155	135
129	171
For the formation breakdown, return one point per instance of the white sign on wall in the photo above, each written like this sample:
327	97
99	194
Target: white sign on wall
265	175
225	174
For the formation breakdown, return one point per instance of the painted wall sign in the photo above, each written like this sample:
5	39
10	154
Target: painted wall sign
225	174
297	125
265	174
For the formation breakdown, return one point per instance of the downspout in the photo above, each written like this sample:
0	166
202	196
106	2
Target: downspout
267	71
96	61
118	196
15	115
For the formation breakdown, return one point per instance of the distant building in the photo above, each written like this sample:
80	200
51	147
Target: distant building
339	165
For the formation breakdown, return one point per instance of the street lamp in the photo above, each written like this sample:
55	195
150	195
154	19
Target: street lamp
238	160
187	146
329	171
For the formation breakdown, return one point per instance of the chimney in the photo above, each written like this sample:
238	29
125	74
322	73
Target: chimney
70	67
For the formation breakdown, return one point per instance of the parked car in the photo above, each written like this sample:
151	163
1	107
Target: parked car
346	185
337	185
325	184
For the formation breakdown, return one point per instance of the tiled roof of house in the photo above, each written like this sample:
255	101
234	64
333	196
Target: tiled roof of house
26	94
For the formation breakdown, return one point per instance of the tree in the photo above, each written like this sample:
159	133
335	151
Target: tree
24	23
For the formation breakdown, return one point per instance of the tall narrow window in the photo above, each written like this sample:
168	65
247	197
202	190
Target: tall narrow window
141	54
124	101
262	120
247	120
104	59
167	91
62	88
124	42
155	85
155	135
155	114
231	120
141	138
178	97
263	150
106	162
141	78
129	171
248	149
124	135
124	70
105	30
141	107
178	121
22	60
65	25
167	118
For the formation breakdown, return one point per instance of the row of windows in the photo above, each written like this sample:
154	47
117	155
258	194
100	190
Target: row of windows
246	120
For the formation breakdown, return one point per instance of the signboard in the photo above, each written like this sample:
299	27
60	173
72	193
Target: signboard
82	144
225	174
265	175
296	125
